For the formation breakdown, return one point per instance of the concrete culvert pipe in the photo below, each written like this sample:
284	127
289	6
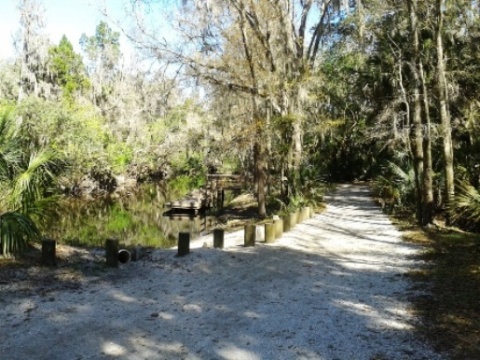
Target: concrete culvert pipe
124	256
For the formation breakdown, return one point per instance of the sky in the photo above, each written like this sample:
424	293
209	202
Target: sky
69	17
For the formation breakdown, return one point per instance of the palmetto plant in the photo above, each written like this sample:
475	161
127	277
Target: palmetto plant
396	185
26	180
465	206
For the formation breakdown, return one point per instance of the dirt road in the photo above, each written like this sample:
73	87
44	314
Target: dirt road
332	288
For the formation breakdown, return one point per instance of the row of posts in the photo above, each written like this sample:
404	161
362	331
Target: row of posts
272	231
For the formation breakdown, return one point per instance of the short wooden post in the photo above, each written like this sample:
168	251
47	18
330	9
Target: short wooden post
278	225
304	213
49	252
183	244
137	253
218	238
269	233
249	237
111	252
286	223
259	233
293	219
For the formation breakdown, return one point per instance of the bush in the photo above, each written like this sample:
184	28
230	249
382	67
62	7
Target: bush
465	207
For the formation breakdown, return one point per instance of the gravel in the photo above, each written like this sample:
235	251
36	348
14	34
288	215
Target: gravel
332	288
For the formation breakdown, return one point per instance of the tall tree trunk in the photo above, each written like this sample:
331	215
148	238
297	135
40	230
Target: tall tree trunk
427	197
416	136
259	150
442	96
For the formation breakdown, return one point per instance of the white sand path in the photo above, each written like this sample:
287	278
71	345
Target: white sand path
332	288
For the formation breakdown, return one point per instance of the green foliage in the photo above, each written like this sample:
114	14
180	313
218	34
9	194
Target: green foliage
9	83
396	186
188	174
67	69
119	221
465	207
78	133
27	185
182	184
119	155
16	231
103	47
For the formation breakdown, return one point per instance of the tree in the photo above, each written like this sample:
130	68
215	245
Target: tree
67	69
261	50
442	96
103	53
33	50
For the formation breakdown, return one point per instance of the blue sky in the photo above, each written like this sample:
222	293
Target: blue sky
69	17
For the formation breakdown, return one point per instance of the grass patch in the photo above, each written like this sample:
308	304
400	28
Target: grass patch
451	311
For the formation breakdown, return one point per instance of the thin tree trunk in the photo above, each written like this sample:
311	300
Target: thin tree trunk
428	199
416	129
259	151
442	106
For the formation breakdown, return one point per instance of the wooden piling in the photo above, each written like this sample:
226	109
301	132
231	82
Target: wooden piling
249	236
137	253
269	233
293	219
286	223
304	213
183	244
111	252
49	252
278	225
218	238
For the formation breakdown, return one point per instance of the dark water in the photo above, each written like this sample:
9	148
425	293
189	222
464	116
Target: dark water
138	218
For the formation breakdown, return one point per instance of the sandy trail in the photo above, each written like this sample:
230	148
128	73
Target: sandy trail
332	288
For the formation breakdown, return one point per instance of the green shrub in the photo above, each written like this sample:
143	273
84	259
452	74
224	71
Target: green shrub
465	207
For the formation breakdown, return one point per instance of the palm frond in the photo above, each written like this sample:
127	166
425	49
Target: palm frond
35	180
465	206
16	230
397	184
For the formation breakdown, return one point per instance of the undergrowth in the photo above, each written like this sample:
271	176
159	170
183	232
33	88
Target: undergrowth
451	309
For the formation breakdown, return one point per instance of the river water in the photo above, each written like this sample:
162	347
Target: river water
138	218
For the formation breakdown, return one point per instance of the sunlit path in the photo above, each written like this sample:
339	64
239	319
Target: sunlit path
332	288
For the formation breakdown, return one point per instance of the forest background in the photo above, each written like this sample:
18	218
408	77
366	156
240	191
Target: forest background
292	93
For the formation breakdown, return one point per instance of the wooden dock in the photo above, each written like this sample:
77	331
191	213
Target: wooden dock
211	195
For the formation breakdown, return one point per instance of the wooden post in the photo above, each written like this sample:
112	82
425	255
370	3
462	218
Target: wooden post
218	238
286	223
259	233
269	233
304	213
249	237
111	252
137	253
183	244
293	219
49	252
278	225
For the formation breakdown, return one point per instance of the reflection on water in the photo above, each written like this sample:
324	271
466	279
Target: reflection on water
139	218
